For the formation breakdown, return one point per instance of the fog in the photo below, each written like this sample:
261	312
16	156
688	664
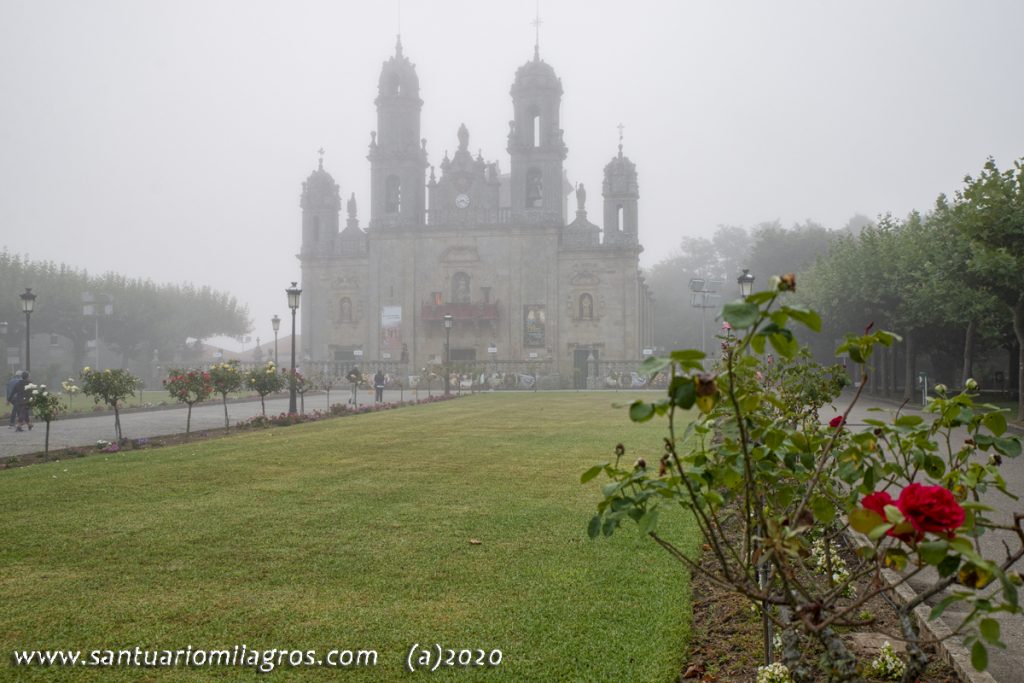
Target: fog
170	140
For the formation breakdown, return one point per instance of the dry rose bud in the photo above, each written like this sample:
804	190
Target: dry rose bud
705	384
787	283
620	450
640	464
995	459
971	385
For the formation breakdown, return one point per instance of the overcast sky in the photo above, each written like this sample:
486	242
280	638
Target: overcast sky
170	139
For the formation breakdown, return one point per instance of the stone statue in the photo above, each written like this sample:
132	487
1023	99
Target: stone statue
463	136
352	206
581	198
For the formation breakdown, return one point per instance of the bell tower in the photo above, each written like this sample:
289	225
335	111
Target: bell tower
621	196
535	142
320	202
398	157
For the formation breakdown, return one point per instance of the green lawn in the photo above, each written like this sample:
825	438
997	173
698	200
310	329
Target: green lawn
350	533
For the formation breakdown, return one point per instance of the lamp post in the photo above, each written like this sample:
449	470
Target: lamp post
293	303
746	283
276	322
447	354
96	306
28	304
704	295
3	341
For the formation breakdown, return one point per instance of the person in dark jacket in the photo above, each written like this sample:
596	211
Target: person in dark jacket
378	386
9	395
19	397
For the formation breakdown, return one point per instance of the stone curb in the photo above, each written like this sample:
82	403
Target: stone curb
950	648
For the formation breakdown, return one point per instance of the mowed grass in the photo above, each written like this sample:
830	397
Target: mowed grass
351	533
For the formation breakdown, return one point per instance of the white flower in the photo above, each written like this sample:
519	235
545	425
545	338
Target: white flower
773	673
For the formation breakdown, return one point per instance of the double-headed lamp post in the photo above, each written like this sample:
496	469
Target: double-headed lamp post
293	303
447	354
746	282
28	304
276	322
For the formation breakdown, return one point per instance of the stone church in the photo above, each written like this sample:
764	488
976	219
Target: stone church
527	290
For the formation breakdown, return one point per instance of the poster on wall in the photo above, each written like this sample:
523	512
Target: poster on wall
391	329
533	325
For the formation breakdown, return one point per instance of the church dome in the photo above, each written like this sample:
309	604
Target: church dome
398	76
536	74
620	175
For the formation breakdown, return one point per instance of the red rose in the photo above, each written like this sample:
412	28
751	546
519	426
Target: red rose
877	502
930	508
836	422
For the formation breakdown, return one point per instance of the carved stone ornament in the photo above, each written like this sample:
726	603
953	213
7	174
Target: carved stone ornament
583	276
345	282
460	255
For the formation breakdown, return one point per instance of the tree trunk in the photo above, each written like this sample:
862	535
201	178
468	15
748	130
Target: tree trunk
908	367
968	372
117	424
188	420
883	375
1018	328
46	448
227	425
263	406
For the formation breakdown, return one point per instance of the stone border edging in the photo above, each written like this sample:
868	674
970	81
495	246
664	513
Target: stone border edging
950	648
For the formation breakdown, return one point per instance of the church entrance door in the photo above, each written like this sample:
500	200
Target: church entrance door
581	366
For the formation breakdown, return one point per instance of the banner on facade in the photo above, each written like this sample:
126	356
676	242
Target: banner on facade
533	325
391	328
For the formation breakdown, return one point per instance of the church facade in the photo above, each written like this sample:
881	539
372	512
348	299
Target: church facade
521	284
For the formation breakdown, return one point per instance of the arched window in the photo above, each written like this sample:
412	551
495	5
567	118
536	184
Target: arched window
534	189
586	307
316	227
345	310
393	195
619	218
395	84
535	127
460	288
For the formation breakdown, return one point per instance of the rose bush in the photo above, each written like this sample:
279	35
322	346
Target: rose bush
189	387
111	387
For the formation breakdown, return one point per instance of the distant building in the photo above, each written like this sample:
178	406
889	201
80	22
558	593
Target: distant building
495	252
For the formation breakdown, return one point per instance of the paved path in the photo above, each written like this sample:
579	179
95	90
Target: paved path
86	431
1004	665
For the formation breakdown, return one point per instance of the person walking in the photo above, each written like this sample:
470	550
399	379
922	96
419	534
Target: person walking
9	394
20	401
378	385
355	377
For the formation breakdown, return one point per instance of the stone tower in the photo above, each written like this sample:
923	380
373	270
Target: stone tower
621	194
321	203
398	157
535	142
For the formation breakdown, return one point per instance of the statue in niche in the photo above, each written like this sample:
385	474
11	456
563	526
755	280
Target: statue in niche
460	288
346	310
352	206
534	190
463	137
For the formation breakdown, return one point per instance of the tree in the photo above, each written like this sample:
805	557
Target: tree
111	387
189	387
226	378
265	380
989	214
46	406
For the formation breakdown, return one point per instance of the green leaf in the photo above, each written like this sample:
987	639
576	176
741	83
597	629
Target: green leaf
933	552
934	466
948	565
757	343
785	345
824	510
1009	447
640	411
908	420
687	356
989	630
653	365
591	473
979	656
879	531
942	605
684	392
594	528
649	521
864	520
809	318
996	422
740	315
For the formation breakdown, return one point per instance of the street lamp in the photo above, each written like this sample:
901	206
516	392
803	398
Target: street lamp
293	303
94	306
276	322
746	283
28	304
447	354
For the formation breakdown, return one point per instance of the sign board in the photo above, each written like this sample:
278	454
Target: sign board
492	349
533	354
648	352
358	353
385	356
